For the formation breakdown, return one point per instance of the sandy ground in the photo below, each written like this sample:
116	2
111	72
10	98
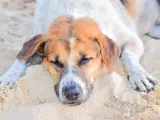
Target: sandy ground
34	97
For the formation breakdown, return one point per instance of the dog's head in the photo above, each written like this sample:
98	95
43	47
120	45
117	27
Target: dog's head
74	52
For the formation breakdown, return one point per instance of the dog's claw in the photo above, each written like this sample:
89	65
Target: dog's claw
142	81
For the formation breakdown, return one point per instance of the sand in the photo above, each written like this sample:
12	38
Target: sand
34	98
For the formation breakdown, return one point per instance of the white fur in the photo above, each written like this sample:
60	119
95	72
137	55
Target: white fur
13	74
114	22
71	56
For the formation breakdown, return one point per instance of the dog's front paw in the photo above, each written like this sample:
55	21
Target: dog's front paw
8	80
142	81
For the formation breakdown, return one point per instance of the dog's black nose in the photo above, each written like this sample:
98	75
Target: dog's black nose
71	92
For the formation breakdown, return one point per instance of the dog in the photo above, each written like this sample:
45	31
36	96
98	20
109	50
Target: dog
77	39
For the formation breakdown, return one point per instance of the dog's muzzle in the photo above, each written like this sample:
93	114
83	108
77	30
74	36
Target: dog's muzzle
73	88
72	92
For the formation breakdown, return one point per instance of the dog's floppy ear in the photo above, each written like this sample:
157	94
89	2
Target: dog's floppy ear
34	45
110	51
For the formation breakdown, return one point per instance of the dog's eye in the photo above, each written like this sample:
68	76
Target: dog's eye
57	63
84	60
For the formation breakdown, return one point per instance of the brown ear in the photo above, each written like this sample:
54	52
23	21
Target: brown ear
35	45
110	52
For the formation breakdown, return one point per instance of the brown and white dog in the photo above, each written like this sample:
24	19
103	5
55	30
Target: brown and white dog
75	39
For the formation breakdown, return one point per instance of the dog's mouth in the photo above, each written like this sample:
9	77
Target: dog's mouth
72	103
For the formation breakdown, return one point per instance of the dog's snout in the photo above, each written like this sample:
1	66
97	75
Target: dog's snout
73	88
71	92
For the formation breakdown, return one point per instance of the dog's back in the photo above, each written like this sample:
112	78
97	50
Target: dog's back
48	10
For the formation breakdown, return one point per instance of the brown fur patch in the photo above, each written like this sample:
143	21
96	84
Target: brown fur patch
30	47
110	52
131	7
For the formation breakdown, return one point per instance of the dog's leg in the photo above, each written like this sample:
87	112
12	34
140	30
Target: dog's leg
140	79
155	32
132	50
18	69
13	74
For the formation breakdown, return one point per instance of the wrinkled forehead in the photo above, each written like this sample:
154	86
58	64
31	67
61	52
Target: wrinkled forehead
67	26
66	34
